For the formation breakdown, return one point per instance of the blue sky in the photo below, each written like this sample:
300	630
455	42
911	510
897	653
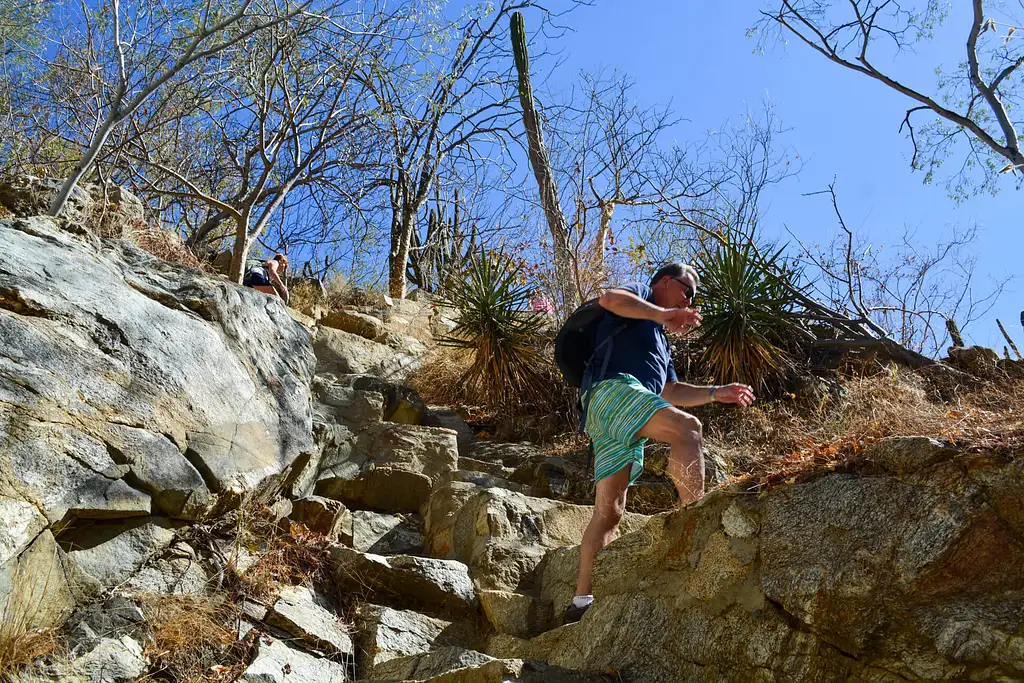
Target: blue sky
844	125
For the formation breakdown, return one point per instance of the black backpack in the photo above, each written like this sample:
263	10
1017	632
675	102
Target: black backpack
575	343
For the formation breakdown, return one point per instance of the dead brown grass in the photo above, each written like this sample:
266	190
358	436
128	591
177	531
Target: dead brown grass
21	645
285	553
164	245
544	420
305	297
784	436
298	557
194	639
341	292
22	640
439	380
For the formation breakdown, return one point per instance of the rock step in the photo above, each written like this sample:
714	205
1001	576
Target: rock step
459	665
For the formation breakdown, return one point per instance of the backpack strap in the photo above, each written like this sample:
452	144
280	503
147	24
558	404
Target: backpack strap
585	395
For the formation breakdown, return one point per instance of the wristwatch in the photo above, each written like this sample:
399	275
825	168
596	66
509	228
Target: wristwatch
711	392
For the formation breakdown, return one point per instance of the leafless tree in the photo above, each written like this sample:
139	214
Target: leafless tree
125	55
610	155
19	36
902	290
977	106
289	116
738	164
607	152
441	99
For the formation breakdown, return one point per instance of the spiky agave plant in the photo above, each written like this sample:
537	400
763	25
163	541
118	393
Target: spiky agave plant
494	324
750	297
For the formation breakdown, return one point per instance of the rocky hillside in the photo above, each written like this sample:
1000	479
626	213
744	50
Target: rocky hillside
168	439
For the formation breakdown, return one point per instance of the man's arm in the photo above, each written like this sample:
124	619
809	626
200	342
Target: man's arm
689	395
628	305
625	304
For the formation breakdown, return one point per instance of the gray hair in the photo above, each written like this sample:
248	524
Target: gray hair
677	270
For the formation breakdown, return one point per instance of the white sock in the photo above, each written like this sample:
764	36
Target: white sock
582	600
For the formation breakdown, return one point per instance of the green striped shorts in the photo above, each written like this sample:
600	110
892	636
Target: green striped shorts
618	408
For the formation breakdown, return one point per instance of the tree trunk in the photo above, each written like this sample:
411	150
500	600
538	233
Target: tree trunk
607	211
100	139
401	239
240	252
542	171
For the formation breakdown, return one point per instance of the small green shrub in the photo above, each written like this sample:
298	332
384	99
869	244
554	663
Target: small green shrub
749	315
494	323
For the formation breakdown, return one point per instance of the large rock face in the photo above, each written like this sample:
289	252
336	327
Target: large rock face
878	575
130	386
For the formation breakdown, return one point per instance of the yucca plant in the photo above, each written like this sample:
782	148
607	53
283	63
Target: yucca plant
494	324
750	297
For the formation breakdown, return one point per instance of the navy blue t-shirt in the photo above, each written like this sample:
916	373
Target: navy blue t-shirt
642	349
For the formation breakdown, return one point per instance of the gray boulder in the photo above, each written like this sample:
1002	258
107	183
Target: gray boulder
862	575
354	322
212	378
386	534
386	633
109	660
391	468
429	664
439	586
324	516
345	353
111	552
179	570
501	534
278	662
307	616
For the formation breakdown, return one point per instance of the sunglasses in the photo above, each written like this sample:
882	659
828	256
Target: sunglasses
687	289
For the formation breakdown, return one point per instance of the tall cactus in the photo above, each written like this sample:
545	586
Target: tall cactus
542	170
444	251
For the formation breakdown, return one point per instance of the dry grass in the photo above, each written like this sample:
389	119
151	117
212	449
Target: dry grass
775	441
194	639
286	553
341	292
22	640
308	296
440	381
164	245
305	296
778	438
298	557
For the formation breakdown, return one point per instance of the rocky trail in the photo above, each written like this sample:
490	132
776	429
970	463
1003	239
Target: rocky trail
146	409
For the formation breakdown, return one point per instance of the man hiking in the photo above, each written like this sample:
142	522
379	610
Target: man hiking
631	394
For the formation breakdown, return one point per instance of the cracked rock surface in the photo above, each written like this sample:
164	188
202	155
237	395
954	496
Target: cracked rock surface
131	387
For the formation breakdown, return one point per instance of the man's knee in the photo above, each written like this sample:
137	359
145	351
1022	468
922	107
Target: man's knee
686	429
608	513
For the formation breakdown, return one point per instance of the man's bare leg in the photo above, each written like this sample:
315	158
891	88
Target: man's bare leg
683	433
609	504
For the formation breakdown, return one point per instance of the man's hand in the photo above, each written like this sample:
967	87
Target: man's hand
675	319
740	394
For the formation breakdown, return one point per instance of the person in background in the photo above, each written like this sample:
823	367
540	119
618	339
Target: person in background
268	276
